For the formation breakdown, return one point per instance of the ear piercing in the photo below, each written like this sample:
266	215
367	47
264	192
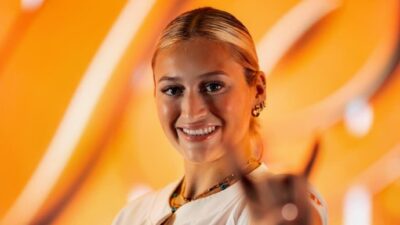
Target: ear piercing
255	112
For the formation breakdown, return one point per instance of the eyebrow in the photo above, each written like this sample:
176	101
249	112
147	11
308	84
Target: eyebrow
211	73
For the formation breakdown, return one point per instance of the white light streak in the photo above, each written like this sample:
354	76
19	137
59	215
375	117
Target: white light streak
357	206
291	27
383	172
358	117
31	5
80	109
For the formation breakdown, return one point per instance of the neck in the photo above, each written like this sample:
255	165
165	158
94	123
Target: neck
199	177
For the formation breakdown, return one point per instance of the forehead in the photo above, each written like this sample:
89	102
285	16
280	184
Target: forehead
195	56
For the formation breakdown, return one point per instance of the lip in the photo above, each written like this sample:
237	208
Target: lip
197	138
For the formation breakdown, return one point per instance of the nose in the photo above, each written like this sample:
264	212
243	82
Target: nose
193	107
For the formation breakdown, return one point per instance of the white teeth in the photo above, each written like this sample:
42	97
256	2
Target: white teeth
203	131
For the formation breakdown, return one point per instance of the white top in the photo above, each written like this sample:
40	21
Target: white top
224	207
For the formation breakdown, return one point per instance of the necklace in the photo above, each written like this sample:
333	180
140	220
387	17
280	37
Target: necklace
178	199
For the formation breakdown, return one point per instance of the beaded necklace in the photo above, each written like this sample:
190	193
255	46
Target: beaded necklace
177	199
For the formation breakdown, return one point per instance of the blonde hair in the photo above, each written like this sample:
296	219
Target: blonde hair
215	25
220	26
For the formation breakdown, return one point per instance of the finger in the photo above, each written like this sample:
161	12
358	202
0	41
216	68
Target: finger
310	163
287	188
280	188
249	188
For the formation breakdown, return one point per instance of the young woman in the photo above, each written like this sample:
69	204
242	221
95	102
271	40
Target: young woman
209	91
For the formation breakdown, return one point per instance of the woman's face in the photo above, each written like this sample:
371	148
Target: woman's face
203	99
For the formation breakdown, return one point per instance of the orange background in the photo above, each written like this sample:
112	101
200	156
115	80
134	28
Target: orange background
349	52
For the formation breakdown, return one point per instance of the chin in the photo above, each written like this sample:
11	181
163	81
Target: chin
204	155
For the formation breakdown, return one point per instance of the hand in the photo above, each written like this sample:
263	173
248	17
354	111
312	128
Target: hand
280	199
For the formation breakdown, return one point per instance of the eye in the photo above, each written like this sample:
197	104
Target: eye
173	90
212	87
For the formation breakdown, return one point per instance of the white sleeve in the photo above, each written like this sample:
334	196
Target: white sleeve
319	204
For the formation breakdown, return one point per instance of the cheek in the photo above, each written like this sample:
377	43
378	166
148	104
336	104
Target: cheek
235	110
238	105
167	112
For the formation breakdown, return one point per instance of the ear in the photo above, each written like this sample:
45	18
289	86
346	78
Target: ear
261	87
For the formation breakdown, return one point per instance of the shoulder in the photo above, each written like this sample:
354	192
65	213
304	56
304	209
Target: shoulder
146	208
136	210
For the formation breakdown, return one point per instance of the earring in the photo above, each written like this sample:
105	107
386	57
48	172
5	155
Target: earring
257	109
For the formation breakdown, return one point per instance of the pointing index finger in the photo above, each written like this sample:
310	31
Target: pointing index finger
310	163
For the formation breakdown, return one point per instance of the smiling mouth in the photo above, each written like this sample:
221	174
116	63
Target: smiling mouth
199	134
